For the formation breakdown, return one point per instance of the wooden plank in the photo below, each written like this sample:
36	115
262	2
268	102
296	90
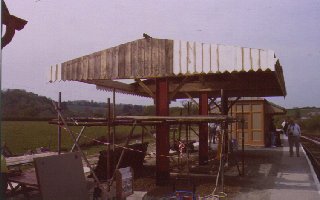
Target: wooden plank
169	57
103	74
97	65
155	58
218	58
196	118
69	69
63	72
146	88
147	58
176	90
65	64
80	73
134	58
74	69
77	69
128	66
91	66
19	160
114	84
85	67
192	99
115	62
109	63
162	58
140	69
121	61
61	177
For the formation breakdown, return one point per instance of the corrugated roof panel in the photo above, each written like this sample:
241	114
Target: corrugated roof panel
193	57
159	58
152	58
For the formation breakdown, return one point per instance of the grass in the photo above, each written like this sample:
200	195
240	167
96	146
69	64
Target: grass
21	136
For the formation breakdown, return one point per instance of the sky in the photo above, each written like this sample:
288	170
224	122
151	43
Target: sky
60	30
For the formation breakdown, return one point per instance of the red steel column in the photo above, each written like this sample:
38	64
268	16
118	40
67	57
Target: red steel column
203	130
162	132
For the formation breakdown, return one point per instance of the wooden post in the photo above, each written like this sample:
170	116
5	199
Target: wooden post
203	130
162	132
59	127
224	130
242	139
224	111
180	126
109	172
113	117
187	136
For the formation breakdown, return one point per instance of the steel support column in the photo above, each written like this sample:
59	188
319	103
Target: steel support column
59	127
203	130
162	132
224	111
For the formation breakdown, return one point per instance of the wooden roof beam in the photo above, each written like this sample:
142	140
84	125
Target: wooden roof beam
192	99
175	91
112	84
146	88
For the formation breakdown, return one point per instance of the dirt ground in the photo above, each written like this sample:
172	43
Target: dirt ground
257	174
261	167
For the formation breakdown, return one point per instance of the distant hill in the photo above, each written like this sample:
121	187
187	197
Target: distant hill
22	105
305	112
19	104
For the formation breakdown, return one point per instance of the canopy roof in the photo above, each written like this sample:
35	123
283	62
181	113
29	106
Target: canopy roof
270	108
190	67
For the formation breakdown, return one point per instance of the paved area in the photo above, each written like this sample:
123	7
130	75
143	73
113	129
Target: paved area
281	177
270	173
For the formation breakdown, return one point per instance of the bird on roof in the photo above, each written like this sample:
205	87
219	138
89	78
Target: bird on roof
146	36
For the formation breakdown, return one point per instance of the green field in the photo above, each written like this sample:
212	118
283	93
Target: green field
21	136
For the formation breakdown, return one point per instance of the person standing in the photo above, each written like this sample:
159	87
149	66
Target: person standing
294	133
272	130
212	132
285	125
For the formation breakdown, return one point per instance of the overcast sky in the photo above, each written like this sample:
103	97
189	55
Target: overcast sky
60	30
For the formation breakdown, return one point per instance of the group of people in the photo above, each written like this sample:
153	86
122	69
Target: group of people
291	129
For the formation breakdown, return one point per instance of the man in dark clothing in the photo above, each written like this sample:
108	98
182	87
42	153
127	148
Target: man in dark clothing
272	130
294	133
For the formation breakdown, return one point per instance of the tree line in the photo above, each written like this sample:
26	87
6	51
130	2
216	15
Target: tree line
20	105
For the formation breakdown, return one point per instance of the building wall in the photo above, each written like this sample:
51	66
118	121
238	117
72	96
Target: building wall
254	125
257	114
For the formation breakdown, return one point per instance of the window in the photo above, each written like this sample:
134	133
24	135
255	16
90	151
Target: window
246	108
256	120
257	135
246	137
256	108
246	121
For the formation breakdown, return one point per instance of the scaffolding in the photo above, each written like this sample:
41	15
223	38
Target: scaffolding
112	121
